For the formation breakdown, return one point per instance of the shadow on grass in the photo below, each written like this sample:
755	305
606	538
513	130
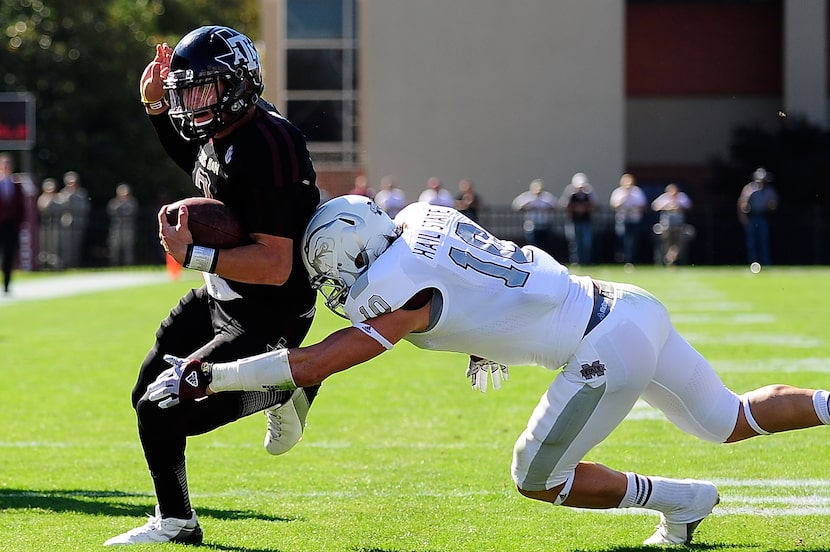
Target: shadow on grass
110	503
107	503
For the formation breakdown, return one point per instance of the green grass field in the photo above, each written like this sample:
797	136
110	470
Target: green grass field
400	455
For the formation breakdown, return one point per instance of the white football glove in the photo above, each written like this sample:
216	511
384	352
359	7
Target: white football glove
480	370
184	380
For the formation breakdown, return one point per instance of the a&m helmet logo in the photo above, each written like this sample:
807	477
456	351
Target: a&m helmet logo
241	51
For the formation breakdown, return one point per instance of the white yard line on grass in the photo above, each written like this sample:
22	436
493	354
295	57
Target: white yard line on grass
51	287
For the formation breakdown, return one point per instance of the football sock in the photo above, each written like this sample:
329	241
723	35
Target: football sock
637	491
820	403
657	493
172	493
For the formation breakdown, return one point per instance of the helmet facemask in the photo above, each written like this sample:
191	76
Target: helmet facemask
195	105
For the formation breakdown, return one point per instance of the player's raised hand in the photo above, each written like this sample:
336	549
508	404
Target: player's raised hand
151	86
186	379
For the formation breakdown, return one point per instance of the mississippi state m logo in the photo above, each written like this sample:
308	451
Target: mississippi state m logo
593	370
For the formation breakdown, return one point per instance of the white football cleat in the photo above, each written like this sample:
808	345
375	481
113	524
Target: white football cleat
286	423
159	529
679	528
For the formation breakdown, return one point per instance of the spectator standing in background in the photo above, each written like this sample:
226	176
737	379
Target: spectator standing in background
123	212
578	200
11	217
672	205
628	202
757	200
75	207
436	194
390	198
50	220
361	187
467	200
537	206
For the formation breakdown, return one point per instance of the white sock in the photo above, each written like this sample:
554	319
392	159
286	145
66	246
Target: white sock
657	493
637	491
820	403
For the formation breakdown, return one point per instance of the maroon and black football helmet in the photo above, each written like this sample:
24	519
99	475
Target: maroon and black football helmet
215	77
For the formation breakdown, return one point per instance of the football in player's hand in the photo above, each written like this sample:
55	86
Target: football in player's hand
210	222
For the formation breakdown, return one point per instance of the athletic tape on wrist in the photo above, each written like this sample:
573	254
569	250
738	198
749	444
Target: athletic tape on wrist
203	259
265	372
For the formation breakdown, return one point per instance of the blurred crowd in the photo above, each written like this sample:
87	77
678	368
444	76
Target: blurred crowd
64	217
656	229
49	228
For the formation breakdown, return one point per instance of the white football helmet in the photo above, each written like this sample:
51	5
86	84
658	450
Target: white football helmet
341	240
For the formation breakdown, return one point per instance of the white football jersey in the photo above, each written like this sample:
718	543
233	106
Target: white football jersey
508	304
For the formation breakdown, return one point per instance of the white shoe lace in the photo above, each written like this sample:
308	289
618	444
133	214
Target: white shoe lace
285	424
275	421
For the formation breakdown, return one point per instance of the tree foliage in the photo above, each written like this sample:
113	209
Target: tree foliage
82	61
796	155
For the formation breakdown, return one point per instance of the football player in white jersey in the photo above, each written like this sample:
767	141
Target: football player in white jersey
442	282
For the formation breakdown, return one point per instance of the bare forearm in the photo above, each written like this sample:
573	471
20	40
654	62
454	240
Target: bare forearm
247	264
339	351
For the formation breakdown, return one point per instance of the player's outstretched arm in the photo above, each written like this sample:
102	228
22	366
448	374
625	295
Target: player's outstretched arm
305	366
288	368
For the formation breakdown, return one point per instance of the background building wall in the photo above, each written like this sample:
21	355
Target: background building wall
502	93
499	92
695	71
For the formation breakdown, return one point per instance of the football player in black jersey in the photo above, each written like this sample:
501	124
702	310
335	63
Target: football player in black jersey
204	101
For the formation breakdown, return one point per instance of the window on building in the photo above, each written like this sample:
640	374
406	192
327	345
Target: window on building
321	76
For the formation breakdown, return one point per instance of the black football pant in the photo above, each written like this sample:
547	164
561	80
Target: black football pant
200	327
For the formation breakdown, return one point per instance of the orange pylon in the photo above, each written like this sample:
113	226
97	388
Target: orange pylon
174	269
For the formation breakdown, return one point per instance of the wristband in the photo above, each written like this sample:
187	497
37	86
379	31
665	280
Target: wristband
203	259
207	371
158	104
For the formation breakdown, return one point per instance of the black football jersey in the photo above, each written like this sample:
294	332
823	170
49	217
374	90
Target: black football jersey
263	172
